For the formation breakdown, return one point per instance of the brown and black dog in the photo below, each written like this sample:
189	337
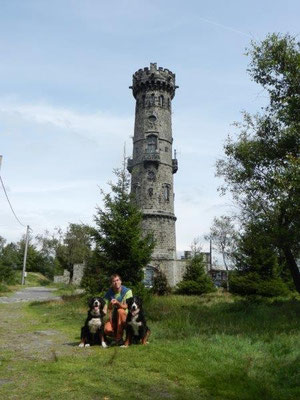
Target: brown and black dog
137	330
93	330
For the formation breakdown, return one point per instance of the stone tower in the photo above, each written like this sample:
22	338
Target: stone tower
152	166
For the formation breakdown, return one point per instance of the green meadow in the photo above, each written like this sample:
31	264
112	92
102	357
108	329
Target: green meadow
210	347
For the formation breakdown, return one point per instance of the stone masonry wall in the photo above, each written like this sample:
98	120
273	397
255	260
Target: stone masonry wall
152	166
78	271
65	278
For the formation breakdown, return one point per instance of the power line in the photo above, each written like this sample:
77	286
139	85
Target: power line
10	203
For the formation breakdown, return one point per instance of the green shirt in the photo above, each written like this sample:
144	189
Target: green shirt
118	297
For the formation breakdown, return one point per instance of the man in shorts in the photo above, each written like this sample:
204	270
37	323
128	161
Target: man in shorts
115	299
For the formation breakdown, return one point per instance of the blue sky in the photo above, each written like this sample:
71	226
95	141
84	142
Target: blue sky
66	110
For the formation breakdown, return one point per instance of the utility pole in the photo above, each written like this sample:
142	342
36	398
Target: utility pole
210	253
25	256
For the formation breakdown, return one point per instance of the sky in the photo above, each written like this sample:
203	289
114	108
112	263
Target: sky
66	110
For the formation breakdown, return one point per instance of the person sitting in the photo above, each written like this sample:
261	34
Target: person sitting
115	299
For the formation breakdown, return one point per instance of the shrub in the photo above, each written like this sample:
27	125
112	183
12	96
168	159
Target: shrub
193	288
251	283
7	274
160	284
141	291
195	280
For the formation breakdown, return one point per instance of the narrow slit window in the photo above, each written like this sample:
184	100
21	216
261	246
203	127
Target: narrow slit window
167	192
152	100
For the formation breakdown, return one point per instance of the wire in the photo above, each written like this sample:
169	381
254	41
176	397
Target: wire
10	204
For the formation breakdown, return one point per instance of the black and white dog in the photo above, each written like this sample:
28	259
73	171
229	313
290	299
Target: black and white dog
137	330
93	330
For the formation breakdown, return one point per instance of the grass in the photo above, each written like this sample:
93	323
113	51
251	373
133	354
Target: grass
35	279
32	279
209	347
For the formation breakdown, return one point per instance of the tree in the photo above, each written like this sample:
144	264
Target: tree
7	270
262	166
223	237
160	284
258	267
195	279
64	249
120	245
78	243
11	257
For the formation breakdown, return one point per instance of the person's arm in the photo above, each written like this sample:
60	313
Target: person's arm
122	304
105	309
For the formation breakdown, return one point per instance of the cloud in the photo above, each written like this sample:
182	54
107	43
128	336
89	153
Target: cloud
96	126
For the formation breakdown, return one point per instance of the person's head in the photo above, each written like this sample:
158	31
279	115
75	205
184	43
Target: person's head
115	281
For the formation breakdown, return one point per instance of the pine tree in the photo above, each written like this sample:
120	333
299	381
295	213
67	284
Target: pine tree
195	280
121	247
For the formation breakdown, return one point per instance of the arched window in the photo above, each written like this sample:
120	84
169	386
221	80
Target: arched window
169	103
144	101
161	100
151	144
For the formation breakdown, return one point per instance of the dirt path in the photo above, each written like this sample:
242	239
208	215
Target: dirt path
17	328
30	294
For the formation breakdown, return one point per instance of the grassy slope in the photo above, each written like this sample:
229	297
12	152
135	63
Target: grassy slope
210	347
33	279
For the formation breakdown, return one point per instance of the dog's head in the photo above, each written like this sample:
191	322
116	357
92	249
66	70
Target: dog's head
134	304
96	304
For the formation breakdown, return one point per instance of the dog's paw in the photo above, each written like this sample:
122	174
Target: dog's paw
104	345
87	345
81	345
124	346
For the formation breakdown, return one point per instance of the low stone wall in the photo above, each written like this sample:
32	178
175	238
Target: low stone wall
173	269
65	278
179	270
78	271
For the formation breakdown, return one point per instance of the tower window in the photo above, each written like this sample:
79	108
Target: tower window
151	144
167	192
169	103
152	100
144	100
161	100
152	118
151	175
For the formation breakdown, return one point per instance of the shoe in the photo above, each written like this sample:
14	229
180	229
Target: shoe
120	342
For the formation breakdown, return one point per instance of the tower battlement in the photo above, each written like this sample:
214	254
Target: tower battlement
153	78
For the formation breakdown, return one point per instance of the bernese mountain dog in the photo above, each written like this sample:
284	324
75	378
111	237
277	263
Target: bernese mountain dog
137	330
93	330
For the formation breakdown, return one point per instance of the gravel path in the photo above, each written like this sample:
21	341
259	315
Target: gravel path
17	328
31	294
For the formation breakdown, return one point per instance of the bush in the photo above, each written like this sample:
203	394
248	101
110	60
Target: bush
191	288
141	291
160	284
3	288
252	283
7	274
195	280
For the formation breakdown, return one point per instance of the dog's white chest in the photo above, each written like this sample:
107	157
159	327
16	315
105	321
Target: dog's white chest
94	324
135	325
